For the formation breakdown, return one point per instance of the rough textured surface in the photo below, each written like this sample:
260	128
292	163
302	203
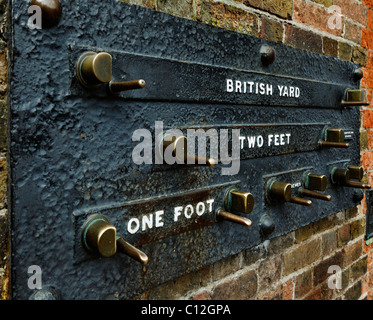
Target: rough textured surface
73	153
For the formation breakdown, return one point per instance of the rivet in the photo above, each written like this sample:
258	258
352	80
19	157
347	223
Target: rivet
358	74
267	54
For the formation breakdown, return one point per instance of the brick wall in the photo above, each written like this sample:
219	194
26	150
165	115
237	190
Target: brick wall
4	225
295	265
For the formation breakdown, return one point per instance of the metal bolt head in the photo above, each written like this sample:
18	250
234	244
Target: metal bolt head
267	54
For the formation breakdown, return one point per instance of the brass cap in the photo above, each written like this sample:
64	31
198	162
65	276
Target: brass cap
316	182
280	191
239	201
94	68
99	235
356	172
334	135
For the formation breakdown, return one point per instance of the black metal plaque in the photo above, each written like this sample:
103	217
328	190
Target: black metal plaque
72	147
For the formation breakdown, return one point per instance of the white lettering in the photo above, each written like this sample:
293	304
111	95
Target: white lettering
229	85
133	229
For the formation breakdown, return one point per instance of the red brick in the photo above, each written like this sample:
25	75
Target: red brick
287	290
204	295
367	38
303	39
353	9
314	16
321	293
343	235
367	119
367	160
368	3
370	59
320	271
370	18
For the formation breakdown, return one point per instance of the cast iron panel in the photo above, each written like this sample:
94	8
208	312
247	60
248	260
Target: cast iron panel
71	148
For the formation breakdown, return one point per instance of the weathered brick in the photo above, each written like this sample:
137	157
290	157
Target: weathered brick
344	51
182	9
303	283
330	47
271	29
241	287
303	39
329	242
358	269
225	267
351	252
352	31
180	286
303	233
353	9
288	290
301	256
321	293
320	271
325	3
343	235
269	272
354	292
359	55
357	228
204	295
325	224
367	81
284	9
3	181
314	16
228	17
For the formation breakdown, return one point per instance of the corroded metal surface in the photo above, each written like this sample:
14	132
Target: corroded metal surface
71	148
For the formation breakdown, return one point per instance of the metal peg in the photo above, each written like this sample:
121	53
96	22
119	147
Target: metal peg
314	194
233	218
116	87
131	251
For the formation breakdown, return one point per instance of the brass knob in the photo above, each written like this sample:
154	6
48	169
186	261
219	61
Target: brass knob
116	87
341	176
93	69
357	97
240	201
220	213
281	192
334	138
315	182
99	236
178	145
356	172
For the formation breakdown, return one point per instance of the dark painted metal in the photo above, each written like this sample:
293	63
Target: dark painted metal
71	147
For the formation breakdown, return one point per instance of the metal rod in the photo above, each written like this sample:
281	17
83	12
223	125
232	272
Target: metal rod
116	87
233	218
334	144
357	184
314	194
303	202
131	251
